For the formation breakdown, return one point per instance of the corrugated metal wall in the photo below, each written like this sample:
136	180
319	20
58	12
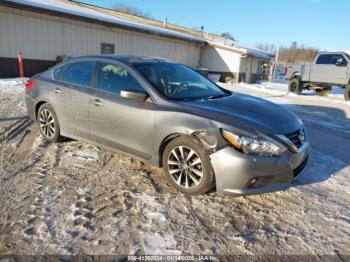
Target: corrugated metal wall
220	60
45	37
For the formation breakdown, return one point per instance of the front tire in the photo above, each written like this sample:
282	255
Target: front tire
295	85
187	166
48	123
347	93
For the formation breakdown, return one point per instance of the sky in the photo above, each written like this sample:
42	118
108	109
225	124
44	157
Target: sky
323	24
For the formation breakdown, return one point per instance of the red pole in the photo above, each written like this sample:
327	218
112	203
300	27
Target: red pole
20	63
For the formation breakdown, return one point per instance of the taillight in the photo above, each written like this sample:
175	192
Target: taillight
286	70
29	84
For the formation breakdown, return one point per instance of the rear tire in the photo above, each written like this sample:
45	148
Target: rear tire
187	166
295	85
347	93
48	123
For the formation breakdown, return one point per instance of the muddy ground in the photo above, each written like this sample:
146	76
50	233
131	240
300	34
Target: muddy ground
74	198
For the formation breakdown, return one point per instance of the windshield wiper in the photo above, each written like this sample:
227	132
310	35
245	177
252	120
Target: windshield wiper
188	99
216	96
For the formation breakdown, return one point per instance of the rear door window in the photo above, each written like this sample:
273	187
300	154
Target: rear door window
113	79
79	73
323	59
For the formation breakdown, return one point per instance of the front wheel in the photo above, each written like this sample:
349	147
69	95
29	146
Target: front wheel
295	86
347	93
187	166
48	123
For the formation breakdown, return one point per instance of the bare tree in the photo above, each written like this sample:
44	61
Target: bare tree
228	35
294	45
129	9
297	54
267	47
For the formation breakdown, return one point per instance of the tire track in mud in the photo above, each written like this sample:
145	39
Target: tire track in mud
13	134
13	130
43	219
104	213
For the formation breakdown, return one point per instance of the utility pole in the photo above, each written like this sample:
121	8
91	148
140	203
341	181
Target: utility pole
202	30
274	65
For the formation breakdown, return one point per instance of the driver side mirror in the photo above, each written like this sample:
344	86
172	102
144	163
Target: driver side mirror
134	95
341	62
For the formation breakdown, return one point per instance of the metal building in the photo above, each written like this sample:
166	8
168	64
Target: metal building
47	31
235	63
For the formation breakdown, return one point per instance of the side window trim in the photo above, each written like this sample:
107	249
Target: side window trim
59	79
94	80
344	58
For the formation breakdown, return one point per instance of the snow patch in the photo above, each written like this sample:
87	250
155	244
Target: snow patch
281	89
157	244
84	154
14	85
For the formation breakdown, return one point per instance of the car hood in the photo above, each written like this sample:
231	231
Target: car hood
251	112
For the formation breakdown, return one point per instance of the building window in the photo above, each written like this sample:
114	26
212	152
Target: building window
107	48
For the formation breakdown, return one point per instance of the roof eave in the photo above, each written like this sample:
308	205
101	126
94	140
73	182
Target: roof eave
92	20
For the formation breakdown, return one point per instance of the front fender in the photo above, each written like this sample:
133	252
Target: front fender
294	74
168	123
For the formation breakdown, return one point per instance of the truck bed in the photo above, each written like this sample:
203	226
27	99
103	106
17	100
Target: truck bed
303	69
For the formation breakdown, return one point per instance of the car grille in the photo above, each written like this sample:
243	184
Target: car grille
297	138
301	167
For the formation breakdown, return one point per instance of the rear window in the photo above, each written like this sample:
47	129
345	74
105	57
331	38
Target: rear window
323	59
79	73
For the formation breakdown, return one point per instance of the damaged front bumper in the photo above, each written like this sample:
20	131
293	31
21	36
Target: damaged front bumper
241	174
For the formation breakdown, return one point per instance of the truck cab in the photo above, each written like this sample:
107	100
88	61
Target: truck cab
330	68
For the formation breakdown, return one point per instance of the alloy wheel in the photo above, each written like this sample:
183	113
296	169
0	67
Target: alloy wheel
47	123
185	167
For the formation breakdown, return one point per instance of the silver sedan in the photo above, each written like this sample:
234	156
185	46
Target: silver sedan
167	114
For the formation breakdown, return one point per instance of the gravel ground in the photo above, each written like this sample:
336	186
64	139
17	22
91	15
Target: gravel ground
74	198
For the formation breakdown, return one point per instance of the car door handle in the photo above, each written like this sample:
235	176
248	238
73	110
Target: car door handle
58	91
96	102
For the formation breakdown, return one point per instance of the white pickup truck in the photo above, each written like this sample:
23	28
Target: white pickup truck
328	69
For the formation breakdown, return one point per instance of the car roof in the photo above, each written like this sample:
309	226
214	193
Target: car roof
126	59
332	53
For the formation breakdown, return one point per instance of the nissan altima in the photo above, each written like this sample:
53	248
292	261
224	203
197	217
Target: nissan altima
167	114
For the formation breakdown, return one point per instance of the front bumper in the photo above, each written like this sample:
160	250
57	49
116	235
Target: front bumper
234	171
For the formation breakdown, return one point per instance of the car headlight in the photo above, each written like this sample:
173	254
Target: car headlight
253	145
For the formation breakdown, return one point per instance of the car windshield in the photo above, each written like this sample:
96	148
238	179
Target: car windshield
179	82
